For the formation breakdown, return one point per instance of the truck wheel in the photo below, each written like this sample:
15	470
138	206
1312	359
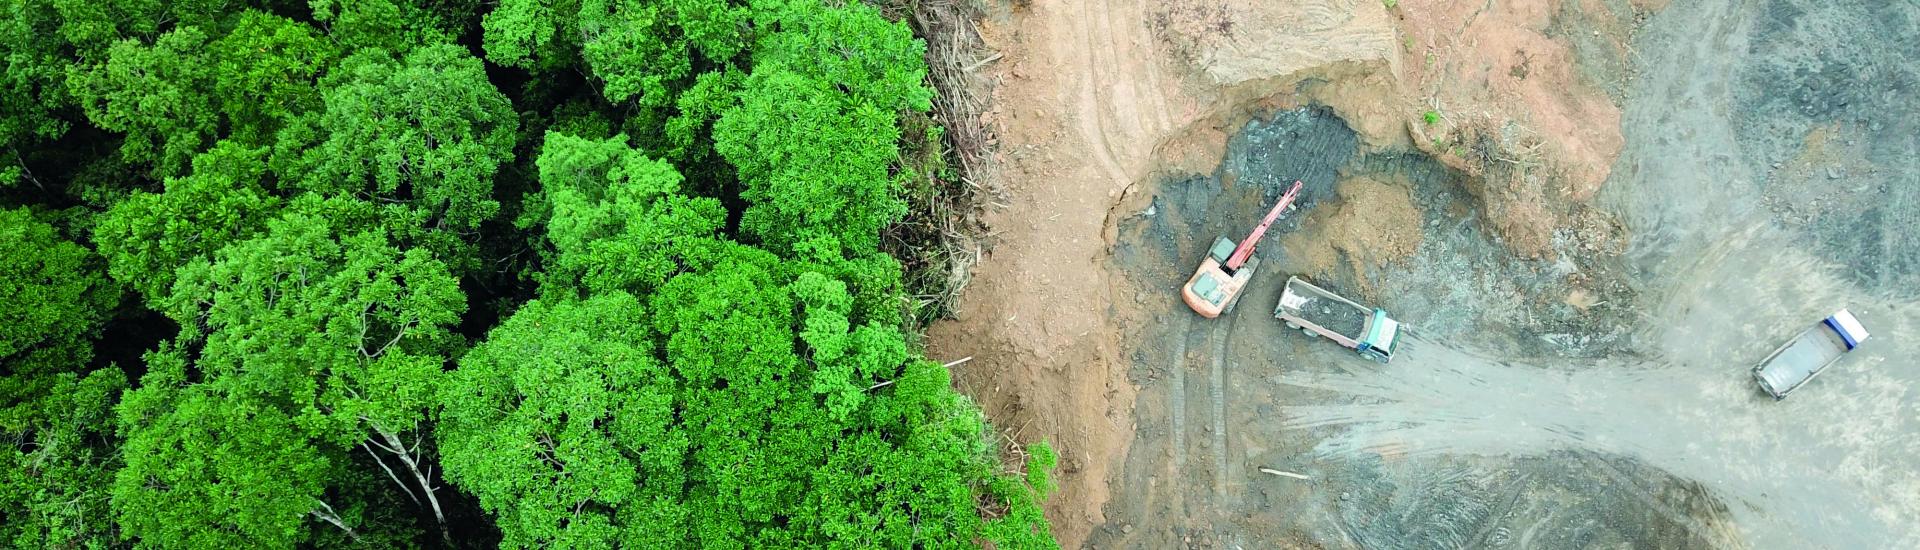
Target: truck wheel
1309	332
1292	326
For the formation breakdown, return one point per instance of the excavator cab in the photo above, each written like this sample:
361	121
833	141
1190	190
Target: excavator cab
1213	290
1214	286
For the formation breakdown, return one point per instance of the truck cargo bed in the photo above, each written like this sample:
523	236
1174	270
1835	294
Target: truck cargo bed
1329	311
1810	352
1334	315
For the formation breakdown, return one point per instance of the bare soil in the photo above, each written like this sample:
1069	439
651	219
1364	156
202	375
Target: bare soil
1089	100
1574	339
1372	224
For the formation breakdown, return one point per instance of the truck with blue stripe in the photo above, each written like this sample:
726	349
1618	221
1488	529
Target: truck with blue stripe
1812	351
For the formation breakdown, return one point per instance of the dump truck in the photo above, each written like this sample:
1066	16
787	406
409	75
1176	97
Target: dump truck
1316	312
1813	350
1216	286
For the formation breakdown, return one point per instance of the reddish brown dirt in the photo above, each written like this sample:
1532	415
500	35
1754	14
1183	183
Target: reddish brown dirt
1077	109
1372	224
1492	63
1095	100
1497	93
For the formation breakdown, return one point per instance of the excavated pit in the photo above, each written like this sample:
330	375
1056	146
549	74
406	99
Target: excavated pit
1457	286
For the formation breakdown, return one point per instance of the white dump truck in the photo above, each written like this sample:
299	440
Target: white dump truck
1317	312
1812	351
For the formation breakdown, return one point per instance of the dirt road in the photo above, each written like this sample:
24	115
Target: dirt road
1592	395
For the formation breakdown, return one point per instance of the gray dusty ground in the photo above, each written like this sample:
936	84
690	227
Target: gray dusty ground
1771	175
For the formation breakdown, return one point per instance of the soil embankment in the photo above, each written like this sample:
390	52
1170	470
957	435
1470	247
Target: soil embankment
1372	224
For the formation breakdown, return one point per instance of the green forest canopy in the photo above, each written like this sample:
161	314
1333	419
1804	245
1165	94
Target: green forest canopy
527	273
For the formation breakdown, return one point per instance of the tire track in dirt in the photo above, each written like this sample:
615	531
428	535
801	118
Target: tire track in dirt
1177	396
1078	111
1087	95
1088	113
1216	403
1151	78
1652	500
1121	111
1196	400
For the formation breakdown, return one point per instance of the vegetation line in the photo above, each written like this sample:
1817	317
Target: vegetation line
526	273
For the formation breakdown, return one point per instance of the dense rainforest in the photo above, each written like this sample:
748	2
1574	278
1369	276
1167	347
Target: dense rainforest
453	273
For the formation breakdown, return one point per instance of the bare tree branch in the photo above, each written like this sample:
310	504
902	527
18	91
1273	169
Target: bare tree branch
412	462
396	339
326	514
390	475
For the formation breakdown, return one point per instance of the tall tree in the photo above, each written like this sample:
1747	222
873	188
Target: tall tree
709	394
148	236
92	24
716	357
422	136
159	96
266	73
671	61
815	133
53	413
195	85
616	218
52	297
562	424
396	26
57	469
32	80
316	340
639	49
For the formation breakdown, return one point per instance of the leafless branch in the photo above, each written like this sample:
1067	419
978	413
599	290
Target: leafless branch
326	513
390	442
390	474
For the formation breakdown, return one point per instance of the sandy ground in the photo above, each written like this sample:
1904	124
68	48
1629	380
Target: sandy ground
1583	236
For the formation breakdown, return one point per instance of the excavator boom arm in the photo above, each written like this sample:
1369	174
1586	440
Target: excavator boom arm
1245	250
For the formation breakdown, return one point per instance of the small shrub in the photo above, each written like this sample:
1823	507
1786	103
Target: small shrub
1431	116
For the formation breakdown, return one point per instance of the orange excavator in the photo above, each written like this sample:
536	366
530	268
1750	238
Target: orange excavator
1216	286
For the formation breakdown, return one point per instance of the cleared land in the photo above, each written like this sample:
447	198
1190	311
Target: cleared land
1613	217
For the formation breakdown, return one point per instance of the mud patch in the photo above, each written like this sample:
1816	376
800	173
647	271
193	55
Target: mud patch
1465	285
1578	400
1403	232
1309	144
1398	229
